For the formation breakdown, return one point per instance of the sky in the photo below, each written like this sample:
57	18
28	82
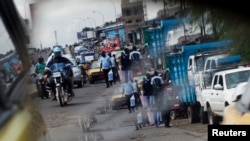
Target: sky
60	20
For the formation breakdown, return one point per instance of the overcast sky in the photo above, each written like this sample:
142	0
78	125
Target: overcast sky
64	18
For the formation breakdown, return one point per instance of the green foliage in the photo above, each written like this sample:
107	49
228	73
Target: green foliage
224	24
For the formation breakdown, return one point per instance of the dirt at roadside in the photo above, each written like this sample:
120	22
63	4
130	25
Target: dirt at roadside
120	125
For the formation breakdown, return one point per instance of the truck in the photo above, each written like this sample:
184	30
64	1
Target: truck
227	84
188	95
201	66
87	56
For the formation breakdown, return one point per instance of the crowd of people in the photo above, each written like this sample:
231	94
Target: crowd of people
150	96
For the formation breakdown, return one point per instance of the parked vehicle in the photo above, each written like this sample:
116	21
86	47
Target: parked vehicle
94	73
176	109
78	78
225	85
238	113
179	65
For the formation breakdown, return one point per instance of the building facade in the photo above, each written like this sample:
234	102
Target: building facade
133	16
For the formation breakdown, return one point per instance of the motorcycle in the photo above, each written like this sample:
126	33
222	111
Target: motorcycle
42	87
62	94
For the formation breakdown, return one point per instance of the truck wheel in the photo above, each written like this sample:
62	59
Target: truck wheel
204	116
191	114
213	119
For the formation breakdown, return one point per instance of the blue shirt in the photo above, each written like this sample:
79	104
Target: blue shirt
105	61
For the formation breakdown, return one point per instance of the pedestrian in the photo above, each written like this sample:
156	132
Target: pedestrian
166	107
127	90
148	90
136	61
113	66
136	93
105	66
110	77
126	65
157	83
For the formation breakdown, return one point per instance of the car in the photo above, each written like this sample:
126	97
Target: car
20	118
94	73
78	79
238	113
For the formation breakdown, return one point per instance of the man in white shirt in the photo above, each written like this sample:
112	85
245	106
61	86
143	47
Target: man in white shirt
136	93
105	66
136	61
127	90
113	66
133	52
157	83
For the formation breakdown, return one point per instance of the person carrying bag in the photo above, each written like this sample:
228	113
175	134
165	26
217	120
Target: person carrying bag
127	90
110	77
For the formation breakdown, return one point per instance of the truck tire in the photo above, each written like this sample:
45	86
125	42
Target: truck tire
204	116
213	119
191	114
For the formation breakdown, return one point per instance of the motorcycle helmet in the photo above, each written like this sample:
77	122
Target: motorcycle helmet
40	58
57	51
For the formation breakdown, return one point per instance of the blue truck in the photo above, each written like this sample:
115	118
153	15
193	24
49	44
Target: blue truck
179	63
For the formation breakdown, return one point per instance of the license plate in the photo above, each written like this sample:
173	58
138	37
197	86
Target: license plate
56	74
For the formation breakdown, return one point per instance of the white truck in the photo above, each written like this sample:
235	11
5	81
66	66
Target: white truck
201	68
226	85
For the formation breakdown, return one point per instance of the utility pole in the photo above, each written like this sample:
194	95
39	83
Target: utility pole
56	37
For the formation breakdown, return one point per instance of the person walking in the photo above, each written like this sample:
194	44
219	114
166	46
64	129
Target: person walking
157	83
136	93
166	108
126	65
127	90
148	90
105	66
113	66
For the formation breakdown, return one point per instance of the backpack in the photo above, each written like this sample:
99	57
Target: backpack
125	62
135	57
157	83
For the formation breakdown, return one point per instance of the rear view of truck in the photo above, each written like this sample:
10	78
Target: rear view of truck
178	65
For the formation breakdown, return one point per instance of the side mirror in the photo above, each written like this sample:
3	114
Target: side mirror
218	87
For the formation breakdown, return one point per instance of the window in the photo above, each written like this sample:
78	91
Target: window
10	65
138	20
220	80
208	65
213	64
215	80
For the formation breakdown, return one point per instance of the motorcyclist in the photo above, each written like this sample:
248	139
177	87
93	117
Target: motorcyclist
58	62
40	66
39	70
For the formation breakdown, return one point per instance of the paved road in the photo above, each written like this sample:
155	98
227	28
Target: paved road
113	125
